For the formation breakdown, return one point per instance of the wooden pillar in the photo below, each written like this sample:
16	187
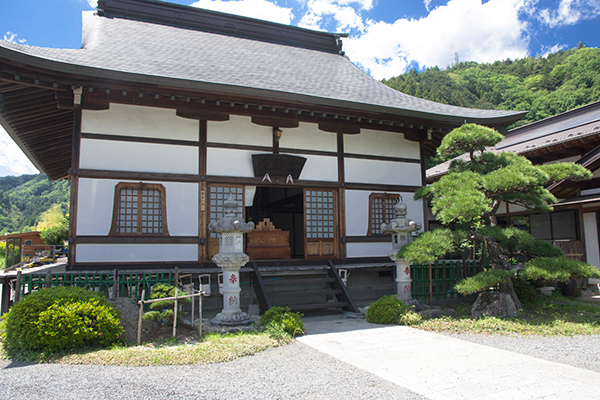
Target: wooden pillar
5	296
203	195
74	185
341	196
423	183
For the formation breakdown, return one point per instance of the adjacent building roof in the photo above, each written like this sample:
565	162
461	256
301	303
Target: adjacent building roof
147	42
573	133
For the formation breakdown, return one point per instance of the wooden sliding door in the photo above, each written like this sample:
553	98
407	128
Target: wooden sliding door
320	221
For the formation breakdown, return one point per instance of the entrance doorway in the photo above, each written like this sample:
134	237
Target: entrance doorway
284	207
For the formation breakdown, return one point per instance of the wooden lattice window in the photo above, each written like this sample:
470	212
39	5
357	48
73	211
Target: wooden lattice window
319	214
381	211
139	209
217	196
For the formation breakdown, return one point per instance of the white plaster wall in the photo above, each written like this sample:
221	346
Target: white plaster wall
230	162
139	121
308	137
357	210
590	228
512	208
239	130
96	200
385	172
368	249
381	143
136	252
233	162
501	209
140	157
320	168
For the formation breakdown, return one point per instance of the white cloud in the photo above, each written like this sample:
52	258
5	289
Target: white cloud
552	49
477	32
260	9
345	16
92	3
569	12
427	3
12	37
12	159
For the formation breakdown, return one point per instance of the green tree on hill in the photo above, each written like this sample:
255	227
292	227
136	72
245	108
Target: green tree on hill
23	199
544	86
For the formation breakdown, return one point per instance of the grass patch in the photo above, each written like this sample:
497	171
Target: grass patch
213	348
546	316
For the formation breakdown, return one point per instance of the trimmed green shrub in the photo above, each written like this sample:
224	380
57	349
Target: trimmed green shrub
60	318
163	310
387	310
410	318
277	317
79	324
524	290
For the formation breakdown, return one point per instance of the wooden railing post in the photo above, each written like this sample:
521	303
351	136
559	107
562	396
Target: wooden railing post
48	283
18	287
115	283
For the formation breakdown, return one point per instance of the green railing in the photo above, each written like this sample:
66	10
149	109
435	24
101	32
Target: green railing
126	284
444	275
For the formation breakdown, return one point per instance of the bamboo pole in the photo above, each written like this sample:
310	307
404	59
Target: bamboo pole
175	313
199	313
139	331
193	303
176	299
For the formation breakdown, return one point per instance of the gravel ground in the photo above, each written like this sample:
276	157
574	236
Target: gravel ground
578	351
295	371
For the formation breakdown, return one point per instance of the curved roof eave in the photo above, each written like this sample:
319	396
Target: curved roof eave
505	118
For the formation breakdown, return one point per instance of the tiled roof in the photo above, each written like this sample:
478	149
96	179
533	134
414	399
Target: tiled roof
136	51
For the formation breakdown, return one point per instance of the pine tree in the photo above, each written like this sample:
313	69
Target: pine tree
468	197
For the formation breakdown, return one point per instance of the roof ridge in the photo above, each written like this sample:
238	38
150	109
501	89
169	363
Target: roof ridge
199	19
543	136
547	120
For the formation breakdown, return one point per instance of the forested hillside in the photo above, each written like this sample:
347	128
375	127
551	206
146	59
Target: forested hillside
24	198
544	86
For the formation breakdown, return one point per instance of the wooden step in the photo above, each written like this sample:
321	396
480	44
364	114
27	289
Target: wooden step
306	292
298	281
317	306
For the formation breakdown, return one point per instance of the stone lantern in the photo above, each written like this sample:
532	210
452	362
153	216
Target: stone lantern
230	259
401	229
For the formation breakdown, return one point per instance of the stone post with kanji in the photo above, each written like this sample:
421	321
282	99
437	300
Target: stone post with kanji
401	229
230	259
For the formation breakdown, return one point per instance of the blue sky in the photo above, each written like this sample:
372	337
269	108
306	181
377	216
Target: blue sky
387	37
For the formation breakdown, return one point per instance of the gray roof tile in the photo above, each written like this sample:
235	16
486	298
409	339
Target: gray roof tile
151	49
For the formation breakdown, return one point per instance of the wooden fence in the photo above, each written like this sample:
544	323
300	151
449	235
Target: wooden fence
436	281
429	282
112	284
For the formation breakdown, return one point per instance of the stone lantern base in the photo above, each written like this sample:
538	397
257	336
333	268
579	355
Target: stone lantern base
231	319
232	314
